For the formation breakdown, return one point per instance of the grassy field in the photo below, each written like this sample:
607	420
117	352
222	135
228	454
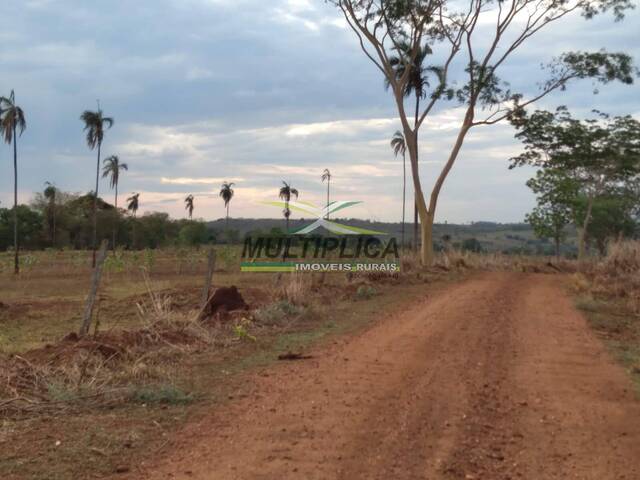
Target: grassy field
49	294
69	411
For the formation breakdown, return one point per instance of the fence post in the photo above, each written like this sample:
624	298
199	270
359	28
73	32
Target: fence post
207	280
95	283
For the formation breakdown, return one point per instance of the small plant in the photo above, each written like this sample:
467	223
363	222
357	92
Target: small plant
149	259
115	262
241	332
60	392
227	256
365	292
161	394
27	262
181	258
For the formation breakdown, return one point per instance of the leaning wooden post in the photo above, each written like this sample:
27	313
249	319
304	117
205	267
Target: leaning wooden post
95	283
207	280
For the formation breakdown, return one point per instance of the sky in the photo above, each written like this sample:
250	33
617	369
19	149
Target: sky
256	92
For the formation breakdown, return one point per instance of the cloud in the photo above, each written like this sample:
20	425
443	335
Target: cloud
339	127
198	181
257	92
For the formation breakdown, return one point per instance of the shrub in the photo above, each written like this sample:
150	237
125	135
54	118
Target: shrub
365	292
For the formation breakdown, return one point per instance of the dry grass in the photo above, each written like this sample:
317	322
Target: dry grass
106	367
617	275
453	259
293	287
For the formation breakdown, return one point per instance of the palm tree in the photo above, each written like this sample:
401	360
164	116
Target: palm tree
94	125
11	121
417	85
50	192
132	206
326	175
111	168
226	192
188	205
399	146
285	194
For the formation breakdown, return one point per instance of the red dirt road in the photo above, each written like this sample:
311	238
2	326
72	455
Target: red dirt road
497	377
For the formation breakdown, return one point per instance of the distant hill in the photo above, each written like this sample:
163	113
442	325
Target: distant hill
493	237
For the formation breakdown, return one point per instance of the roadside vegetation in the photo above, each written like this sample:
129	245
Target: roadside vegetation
609	295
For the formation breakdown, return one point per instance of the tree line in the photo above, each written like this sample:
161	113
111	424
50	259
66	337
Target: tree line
61	219
66	221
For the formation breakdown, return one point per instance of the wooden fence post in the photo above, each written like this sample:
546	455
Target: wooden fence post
95	283
207	280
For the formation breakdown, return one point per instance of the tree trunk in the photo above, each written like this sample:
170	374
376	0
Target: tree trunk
93	291
133	232
426	251
415	226
206	290
16	258
415	203
115	221
582	231
95	212
328	183
227	221
286	218
557	240
54	223
427	216
404	194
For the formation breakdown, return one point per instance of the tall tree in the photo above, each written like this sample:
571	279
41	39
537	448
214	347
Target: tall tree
470	40
416	87
326	175
188	205
285	193
50	193
555	195
226	193
597	156
111	169
12	124
95	124
399	147
132	206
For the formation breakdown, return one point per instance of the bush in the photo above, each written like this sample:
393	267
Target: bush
277	312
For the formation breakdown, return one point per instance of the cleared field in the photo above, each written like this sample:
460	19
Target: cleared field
85	409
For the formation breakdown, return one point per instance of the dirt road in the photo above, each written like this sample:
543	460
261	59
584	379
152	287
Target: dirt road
495	378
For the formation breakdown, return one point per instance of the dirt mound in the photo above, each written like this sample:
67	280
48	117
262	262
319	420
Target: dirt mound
108	345
225	299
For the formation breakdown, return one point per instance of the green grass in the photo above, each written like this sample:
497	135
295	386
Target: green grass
620	331
161	394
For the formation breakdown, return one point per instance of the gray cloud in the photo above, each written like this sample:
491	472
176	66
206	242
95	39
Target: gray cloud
259	92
